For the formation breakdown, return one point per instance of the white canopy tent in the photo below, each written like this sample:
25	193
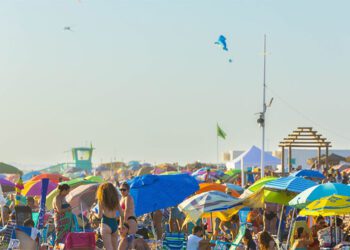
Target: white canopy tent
252	158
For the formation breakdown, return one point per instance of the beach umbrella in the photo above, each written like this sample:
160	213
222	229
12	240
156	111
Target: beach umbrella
318	192
328	206
290	184
8	169
34	188
234	187
258	198
205	187
144	171
260	183
97	179
82	197
30	175
134	168
56	178
308	173
208	202
154	192
6	185
72	184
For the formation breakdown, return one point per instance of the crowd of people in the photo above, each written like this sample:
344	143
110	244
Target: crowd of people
113	222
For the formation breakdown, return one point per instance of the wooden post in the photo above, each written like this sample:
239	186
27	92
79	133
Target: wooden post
319	156
283	162
290	158
327	157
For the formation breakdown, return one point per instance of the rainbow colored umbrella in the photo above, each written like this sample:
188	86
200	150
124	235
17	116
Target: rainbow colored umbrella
34	188
52	177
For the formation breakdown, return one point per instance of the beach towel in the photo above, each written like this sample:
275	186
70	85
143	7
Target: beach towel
63	226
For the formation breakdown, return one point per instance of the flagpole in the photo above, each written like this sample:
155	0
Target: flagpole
217	144
263	114
217	149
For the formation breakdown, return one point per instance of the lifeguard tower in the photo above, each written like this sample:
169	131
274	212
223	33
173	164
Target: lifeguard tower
82	159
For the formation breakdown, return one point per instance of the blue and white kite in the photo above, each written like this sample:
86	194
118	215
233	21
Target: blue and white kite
222	42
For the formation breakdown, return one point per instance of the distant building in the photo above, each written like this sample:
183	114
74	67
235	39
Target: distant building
299	156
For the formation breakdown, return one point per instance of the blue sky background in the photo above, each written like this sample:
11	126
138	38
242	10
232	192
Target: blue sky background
143	80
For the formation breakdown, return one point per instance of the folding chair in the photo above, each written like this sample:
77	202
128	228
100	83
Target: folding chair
174	241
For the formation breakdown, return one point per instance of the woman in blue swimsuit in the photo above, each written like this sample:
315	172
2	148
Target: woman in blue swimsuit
108	203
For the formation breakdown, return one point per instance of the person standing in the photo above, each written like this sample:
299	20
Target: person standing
108	206
128	209
62	214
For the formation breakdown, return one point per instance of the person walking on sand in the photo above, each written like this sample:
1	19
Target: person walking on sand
108	206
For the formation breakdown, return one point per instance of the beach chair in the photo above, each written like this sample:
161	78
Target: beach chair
243	214
174	241
222	245
299	222
80	241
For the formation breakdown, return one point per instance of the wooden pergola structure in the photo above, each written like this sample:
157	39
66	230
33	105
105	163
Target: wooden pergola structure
304	137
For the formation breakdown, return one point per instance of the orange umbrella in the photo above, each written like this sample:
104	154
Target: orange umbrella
56	178
206	187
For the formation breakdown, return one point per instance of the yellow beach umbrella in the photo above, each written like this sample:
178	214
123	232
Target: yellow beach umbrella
257	199
329	206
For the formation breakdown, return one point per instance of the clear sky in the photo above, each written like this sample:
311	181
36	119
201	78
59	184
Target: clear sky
142	79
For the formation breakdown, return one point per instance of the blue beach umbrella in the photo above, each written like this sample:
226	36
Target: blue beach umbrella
154	192
30	175
308	173
318	192
290	184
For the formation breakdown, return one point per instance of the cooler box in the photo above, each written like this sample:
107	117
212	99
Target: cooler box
80	241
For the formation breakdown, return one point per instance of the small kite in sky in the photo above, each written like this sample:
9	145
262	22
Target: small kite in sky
222	42
67	28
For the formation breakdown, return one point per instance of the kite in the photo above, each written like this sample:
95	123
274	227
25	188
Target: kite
67	28
222	43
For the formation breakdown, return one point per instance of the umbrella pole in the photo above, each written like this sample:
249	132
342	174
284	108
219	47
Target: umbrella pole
153	230
336	230
211	223
279	226
242	173
290	228
82	216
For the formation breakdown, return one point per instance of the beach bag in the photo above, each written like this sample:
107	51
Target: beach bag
80	241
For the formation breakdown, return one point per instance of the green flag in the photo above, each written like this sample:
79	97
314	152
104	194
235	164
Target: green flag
220	132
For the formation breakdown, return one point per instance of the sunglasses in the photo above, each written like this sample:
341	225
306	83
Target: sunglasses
123	189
